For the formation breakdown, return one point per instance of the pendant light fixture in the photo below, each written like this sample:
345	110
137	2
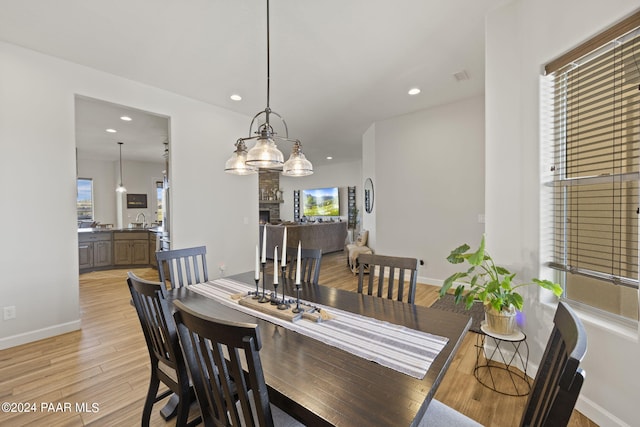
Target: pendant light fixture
121	188
265	153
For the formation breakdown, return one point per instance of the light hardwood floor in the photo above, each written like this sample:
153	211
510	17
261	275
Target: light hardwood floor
107	364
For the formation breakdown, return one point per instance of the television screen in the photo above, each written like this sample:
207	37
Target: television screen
321	202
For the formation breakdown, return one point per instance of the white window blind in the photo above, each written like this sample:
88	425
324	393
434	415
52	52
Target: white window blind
592	107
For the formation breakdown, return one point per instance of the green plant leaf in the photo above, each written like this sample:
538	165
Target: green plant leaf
506	282
459	294
493	286
455	257
474	281
478	256
468	301
502	270
548	284
449	282
517	300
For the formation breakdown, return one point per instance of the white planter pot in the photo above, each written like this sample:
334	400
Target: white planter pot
500	322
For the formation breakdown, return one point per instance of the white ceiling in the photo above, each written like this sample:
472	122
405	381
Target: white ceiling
142	137
336	65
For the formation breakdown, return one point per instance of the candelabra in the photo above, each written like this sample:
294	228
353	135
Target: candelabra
264	292
283	304
297	309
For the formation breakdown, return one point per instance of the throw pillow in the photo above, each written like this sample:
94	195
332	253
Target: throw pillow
362	238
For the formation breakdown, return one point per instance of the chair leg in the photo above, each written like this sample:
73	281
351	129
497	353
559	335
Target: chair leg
154	384
183	410
171	408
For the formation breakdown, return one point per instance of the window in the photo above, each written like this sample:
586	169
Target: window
591	126
85	199
159	193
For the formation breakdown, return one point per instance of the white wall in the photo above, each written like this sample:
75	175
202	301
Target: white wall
103	175
340	175
521	37
40	264
140	178
369	171
429	184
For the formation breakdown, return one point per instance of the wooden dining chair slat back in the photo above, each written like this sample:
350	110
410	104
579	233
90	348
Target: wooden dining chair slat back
386	267
224	363
555	388
559	379
167	364
310	262
186	266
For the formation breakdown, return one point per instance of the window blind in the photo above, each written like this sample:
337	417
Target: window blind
592	108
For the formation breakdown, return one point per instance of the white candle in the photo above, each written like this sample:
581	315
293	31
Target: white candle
264	244
275	265
284	248
257	276
298	264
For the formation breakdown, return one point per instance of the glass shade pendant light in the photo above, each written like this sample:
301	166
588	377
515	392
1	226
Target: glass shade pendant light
121	188
265	153
297	165
237	163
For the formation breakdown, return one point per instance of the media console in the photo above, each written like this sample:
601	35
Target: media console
328	236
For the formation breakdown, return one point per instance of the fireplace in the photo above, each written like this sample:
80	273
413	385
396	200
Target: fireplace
265	217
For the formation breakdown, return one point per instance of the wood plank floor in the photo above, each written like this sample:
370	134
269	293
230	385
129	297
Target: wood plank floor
105	366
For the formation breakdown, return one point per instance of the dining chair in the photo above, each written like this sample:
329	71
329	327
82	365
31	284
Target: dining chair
381	264
186	266
556	386
216	348
167	363
310	261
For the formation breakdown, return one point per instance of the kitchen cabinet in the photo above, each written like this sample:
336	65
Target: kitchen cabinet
85	255
94	250
153	245
102	254
131	248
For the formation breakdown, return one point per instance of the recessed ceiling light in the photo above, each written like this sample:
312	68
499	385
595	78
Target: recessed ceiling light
329	158
236	97
111	130
125	118
414	91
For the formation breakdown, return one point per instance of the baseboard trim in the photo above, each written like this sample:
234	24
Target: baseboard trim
39	334
430	281
598	414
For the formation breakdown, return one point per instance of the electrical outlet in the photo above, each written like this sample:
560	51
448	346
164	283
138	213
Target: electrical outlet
9	312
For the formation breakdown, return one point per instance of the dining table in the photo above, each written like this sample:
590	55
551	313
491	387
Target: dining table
323	385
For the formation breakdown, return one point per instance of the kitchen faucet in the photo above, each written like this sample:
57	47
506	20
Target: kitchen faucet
144	219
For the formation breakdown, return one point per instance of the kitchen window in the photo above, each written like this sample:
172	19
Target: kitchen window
85	199
159	203
591	134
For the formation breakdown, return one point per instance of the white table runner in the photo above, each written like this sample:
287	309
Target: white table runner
393	346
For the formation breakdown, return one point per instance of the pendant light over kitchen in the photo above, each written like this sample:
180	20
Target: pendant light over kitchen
265	153
121	188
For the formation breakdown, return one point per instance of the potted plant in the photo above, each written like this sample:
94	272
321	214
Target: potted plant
492	285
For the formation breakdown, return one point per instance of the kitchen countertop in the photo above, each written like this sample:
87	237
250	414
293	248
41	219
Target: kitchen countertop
111	230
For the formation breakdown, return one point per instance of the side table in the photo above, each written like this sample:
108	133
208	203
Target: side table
496	356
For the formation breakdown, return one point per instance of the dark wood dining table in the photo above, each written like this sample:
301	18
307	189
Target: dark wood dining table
321	385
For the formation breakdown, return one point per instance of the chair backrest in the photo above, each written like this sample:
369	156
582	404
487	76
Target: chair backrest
185	266
386	282
157	324
225	392
559	378
310	261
